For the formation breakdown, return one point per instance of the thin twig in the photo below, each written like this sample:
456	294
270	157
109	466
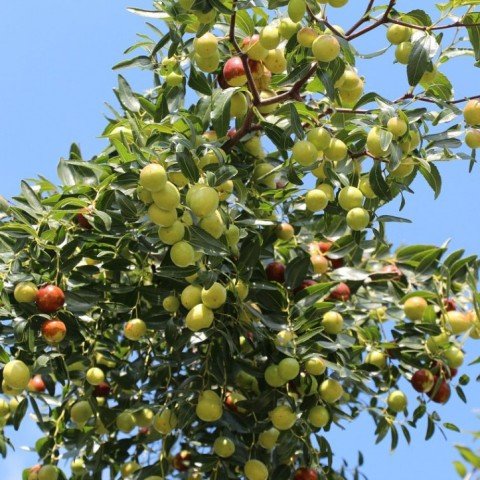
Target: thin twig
365	18
241	132
380	21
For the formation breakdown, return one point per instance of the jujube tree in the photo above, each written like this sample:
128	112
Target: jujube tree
214	291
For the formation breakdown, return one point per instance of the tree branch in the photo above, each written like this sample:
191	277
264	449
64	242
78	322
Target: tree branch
247	127
325	22
365	18
380	21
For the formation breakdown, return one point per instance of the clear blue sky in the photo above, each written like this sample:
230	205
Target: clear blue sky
55	79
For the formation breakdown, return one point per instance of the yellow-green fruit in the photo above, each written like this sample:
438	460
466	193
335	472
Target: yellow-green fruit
397	401
4	408
129	468
275	61
253	48
144	418
374	143
168	198
296	9
215	296
268	438
273	377
376	358
171	304
8	390
337	3
403	169
472	138
254	147
306	36
318	416
191	295
319	172
454	357
178	179
173	79
162	218
225	189
210	158
283	417
81	412
213	224
471	112
77	466
16	374
288	28
330	390
238	105
319	137
153	177
48	472
414	308
336	151
25	292
284	338
126	422
332	323
173	234
241	288
135	329
260	174
95	376
288	368
315	366
165	421
366	188
199	317
348	81
403	51
270	37
351	97
255	469
457	322
358	219
397	34
326	48
328	190
206	45
267	109
397	127
144	195
350	197
316	200
434	343
209	406
182	254
304	153
207	64
223	447
204	201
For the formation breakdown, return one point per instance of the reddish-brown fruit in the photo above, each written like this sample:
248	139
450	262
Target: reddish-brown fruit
305	474
305	284
222	83
336	262
440	393
275	272
181	461
50	298
449	304
234	72
102	390
54	330
36	384
82	221
422	380
340	292
230	403
324	246
256	68
143	431
232	132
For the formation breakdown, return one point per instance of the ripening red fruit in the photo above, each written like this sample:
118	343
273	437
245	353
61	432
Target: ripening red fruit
440	394
102	390
181	461
449	304
340	292
36	384
305	284
54	330
423	380
336	262
234	72
275	272
144	431
305	474
324	246
50	298
82	221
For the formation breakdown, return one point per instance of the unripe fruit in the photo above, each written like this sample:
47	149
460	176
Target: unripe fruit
207	64
374	143
358	219
332	323
330	390
144	418
173	79
337	3
288	368
457	322
397	34
77	466
215	296
349	81
199	317
350	97
296	9
326	48
165	421
95	376
318	416
316	200
270	37
178	179
206	45
255	470
336	151
268	438
288	28
153	177
191	295
306	36
283	417
285	231
213	224
254	48
203	201
49	299
135	329
173	234
320	264
350	197
304	153
162	218
171	303
275	60
273	377
403	51
403	169
234	72
471	112
472	138
366	188
25	292
397	127
125	422
376	358
209	407
241	288
397	401
434	343
168	198
414	308
320	138
315	366
422	380
223	447
16	374
81	412
182	254
454	357
238	105
48	472
8	390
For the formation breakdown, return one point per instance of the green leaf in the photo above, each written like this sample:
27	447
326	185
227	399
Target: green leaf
433	178
142	61
31	196
378	182
418	62
296	271
469	456
220	115
126	96
187	164
473	19
198	81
